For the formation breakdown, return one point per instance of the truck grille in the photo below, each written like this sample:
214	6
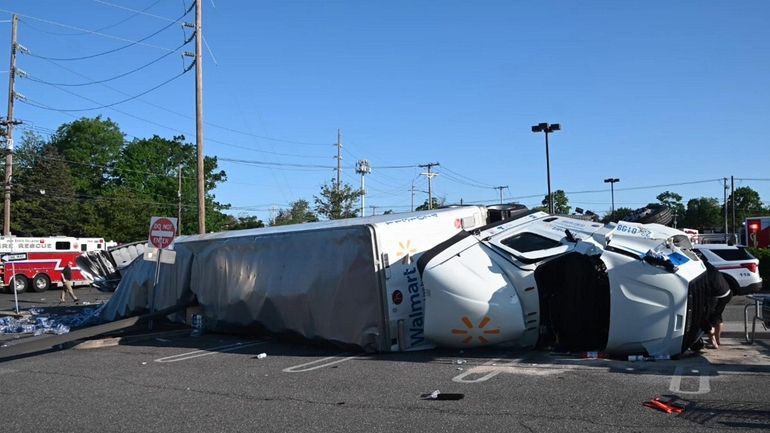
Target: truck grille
697	310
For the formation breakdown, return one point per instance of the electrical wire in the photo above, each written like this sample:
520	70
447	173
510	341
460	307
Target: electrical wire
143	11
84	30
473	182
37	80
101	28
114	50
45	107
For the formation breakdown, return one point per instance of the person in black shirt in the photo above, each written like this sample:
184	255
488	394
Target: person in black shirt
66	278
719	297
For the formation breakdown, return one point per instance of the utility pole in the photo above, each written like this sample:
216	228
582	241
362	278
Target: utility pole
363	168
430	176
179	201
374	209
199	115
339	159
732	194
412	195
725	202
9	132
501	188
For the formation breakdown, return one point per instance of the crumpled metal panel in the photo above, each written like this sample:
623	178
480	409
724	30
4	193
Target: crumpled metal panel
134	293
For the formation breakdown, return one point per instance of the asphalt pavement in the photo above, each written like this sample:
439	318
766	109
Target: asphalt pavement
167	380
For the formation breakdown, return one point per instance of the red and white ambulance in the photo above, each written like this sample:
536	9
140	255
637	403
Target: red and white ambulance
36	263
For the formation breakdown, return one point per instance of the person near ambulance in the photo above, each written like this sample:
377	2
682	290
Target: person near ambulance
66	278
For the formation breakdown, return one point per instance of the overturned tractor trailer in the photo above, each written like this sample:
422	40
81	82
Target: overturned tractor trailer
351	282
553	281
445	277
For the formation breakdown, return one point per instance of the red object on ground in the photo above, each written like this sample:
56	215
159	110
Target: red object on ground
657	403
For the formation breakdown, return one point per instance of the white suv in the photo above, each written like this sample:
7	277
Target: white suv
739	267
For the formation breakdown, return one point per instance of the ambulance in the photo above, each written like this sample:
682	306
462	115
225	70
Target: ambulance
36	263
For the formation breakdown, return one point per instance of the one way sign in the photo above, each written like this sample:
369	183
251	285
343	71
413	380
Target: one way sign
13	257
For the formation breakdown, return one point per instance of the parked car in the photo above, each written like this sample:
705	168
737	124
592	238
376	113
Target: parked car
739	267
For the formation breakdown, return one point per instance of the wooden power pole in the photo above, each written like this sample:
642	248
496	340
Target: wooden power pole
199	116
9	132
430	176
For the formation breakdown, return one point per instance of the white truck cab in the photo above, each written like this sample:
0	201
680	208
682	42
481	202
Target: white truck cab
543	280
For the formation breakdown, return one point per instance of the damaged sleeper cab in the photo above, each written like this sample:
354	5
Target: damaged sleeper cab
548	281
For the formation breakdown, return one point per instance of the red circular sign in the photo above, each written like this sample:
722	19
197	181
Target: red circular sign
162	232
398	297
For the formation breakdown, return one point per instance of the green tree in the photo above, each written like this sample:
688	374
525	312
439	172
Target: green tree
337	204
297	213
28	151
703	213
747	204
145	183
247	222
672	201
621	214
435	204
45	202
560	202
90	147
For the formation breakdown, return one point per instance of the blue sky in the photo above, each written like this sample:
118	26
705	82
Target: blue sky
663	95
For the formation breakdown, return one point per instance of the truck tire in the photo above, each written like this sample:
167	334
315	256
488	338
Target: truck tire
40	283
20	283
649	215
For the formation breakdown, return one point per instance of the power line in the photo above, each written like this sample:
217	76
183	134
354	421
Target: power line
101	28
45	107
468	179
141	12
32	78
84	30
114	50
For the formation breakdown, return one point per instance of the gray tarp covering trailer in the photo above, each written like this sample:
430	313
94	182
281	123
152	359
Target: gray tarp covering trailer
350	282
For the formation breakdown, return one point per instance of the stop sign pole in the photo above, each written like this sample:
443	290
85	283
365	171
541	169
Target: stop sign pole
162	233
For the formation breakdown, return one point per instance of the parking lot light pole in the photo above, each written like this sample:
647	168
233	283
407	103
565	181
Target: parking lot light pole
546	128
612	181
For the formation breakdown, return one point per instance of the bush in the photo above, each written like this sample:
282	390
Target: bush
763	254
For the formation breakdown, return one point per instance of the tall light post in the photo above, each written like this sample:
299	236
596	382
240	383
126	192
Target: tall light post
612	181
363	168
547	129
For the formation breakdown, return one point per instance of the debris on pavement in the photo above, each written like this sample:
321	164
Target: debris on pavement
38	322
663	406
438	395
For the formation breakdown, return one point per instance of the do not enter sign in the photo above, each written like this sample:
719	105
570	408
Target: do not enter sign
162	231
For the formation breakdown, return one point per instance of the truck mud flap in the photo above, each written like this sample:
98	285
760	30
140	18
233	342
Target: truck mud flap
574	302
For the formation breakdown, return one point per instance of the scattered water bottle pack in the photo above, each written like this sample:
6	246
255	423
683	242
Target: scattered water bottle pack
39	323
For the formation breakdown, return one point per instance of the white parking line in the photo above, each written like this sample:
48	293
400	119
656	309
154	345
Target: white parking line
205	352
323	362
490	368
704	386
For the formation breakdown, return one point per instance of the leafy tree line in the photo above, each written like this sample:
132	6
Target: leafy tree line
88	180
705	213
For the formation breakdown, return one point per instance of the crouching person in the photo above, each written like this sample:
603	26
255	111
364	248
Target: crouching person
719	297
